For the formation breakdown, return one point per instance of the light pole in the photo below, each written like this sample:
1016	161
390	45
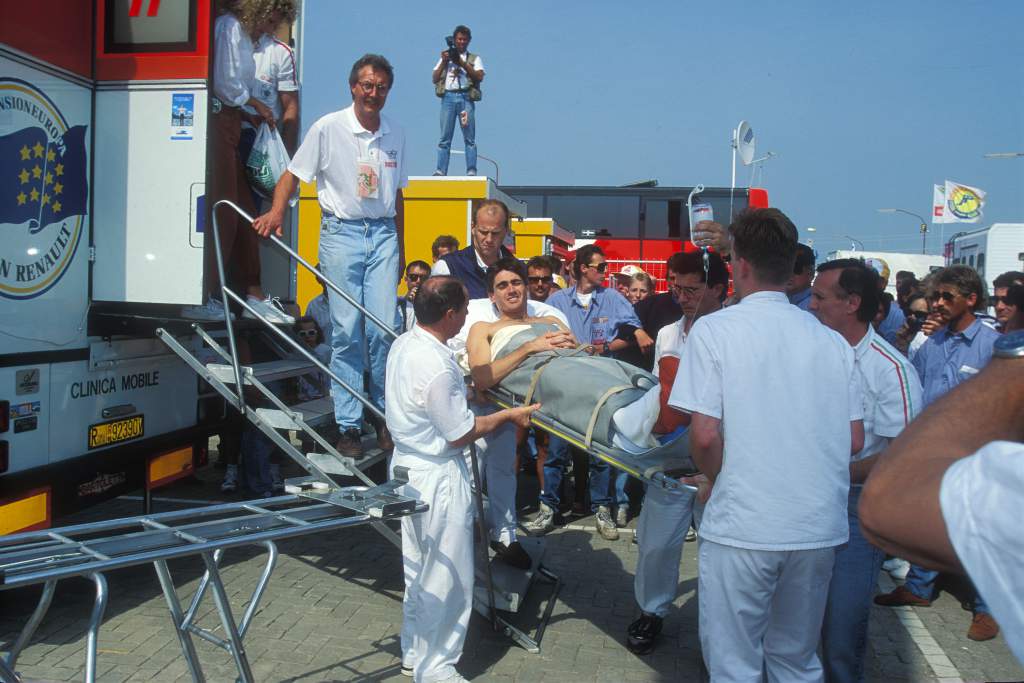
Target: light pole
856	241
1004	155
497	171
810	240
924	224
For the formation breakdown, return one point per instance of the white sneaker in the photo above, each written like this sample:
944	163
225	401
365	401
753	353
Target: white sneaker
211	310
269	309
455	678
900	571
230	482
891	564
276	482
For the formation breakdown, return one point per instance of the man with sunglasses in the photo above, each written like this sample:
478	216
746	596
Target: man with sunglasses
951	355
415	273
605	319
1004	306
357	158
541	279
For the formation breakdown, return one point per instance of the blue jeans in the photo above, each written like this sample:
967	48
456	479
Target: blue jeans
453	104
554	466
844	632
619	481
361	257
921	582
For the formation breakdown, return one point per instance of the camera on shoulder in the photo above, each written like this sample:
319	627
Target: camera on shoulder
453	52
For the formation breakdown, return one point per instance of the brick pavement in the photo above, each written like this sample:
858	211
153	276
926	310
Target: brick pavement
332	612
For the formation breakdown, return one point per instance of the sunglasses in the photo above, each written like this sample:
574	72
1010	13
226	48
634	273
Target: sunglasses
920	316
415	277
1005	300
307	334
600	267
536	280
948	297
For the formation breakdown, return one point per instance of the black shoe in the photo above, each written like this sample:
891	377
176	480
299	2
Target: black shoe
513	555
642	634
350	443
384	441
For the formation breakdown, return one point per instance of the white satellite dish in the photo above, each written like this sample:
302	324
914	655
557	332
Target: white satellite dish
744	141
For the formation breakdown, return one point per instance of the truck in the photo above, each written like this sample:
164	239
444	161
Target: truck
991	251
918	264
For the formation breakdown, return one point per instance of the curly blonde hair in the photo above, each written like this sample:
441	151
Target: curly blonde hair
254	13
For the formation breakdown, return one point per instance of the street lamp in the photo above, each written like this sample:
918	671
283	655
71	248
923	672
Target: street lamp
1004	155
924	224
810	240
857	241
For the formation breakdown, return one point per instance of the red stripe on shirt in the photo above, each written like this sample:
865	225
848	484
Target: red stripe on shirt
899	375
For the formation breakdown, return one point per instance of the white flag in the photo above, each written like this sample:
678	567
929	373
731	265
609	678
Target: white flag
964	203
939	212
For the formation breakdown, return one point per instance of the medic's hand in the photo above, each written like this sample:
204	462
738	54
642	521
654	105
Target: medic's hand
711	234
644	341
521	416
264	112
270	222
703	484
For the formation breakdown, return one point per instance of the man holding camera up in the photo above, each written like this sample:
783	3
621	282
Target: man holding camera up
457	78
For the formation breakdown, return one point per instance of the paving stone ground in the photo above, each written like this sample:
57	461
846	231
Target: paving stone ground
332	612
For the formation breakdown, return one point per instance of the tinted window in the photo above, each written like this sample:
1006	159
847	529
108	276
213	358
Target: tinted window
619	216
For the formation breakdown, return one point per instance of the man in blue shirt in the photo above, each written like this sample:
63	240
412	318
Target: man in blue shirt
798	289
605	319
951	355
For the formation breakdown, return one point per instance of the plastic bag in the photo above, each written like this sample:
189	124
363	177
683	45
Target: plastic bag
267	161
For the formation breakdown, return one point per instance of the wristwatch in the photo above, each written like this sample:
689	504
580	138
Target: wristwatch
1009	345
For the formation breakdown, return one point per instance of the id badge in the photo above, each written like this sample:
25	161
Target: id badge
368	178
597	331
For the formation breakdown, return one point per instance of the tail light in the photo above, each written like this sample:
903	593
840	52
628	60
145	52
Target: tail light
5	416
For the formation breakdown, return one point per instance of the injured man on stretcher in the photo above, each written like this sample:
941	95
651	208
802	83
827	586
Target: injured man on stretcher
528	359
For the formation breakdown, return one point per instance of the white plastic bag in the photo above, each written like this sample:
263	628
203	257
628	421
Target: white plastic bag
267	161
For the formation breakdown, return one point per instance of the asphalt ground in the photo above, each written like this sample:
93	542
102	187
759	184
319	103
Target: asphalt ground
333	610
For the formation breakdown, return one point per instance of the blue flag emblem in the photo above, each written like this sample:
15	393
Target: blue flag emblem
46	179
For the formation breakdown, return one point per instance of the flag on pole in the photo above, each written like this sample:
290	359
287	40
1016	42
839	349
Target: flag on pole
939	212
964	203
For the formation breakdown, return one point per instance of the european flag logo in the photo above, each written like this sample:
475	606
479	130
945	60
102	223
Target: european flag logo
49	177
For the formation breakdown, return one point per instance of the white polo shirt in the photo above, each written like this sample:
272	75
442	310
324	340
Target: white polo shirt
981	497
332	152
424	398
275	73
890	391
669	342
784	387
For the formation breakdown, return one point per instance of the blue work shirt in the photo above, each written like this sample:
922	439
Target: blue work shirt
949	358
601	320
801	299
892	323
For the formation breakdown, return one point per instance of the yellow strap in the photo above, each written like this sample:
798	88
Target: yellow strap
589	437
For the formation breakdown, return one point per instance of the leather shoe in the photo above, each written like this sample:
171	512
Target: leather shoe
901	597
384	441
643	633
514	555
983	627
350	443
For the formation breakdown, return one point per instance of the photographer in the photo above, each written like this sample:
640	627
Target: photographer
457	78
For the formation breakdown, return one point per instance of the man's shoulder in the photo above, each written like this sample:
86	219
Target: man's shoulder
541	309
886	362
335	121
394	129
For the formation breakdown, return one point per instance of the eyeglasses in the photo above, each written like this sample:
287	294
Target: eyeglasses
307	334
1005	300
536	280
948	297
368	87
919	315
415	277
690	292
599	267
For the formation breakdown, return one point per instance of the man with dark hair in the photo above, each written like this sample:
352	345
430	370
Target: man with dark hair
775	415
666	515
845	299
605	319
415	273
798	289
357	158
950	356
654	313
540	277
444	244
1004	308
431	421
457	76
469	265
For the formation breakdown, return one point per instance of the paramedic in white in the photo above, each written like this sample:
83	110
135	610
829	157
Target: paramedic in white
776	414
431	422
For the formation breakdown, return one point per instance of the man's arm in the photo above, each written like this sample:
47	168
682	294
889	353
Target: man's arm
272	220
706	444
441	67
289	122
485	424
486	373
899	508
471	70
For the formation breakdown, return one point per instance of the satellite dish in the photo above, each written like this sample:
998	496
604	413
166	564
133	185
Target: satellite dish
744	142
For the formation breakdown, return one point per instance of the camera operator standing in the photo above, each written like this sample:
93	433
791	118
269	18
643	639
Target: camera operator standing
457	78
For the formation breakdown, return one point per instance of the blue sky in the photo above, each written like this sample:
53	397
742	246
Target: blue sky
867	104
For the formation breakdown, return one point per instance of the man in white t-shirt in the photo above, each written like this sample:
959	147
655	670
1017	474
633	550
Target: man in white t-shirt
431	421
357	157
666	515
460	71
775	415
844	297
276	85
947	494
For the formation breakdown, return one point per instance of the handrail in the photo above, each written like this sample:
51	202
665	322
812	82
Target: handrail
223	297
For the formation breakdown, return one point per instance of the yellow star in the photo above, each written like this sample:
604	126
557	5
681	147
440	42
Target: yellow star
58	188
46	198
50	155
38	149
23	176
60	169
36	171
34	194
21	198
49	178
24	153
56	207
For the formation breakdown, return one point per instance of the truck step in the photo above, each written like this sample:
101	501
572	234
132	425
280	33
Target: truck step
344	466
313	413
264	372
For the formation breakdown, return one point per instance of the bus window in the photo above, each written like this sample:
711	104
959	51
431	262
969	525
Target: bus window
970	260
619	216
980	265
664	219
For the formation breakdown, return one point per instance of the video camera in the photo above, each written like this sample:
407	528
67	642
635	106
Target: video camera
453	52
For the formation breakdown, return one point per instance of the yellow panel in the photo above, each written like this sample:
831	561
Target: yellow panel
308	245
170	464
428	188
528	246
23	513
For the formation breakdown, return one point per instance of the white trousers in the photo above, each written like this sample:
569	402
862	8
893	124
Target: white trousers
661	532
497	455
761	611
437	555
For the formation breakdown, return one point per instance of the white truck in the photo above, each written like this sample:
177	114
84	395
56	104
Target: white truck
991	251
919	264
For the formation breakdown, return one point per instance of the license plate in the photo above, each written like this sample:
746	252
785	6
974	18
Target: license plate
115	431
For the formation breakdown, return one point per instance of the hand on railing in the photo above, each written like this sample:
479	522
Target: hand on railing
270	222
